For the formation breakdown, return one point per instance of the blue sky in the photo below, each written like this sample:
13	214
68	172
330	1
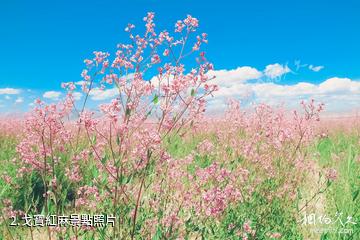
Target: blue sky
43	43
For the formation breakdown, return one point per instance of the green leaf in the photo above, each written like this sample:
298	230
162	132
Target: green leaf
158	235
148	113
128	111
93	139
43	210
328	183
156	99
4	190
95	172
192	92
129	179
355	194
104	159
118	139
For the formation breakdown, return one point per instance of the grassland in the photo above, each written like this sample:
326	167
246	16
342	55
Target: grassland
338	150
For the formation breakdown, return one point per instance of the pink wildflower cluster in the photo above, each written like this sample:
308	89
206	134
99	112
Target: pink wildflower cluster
205	147
331	174
88	198
45	136
261	136
126	136
218	188
123	145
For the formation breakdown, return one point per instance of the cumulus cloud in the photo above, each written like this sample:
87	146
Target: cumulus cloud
276	70
9	91
337	93
344	85
19	100
77	95
235	76
227	77
315	68
336	86
54	95
98	94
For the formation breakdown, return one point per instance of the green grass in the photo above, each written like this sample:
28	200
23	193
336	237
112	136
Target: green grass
340	151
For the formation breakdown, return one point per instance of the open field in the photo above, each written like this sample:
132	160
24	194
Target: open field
228	180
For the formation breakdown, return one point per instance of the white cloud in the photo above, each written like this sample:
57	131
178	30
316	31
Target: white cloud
227	78
235	76
7	97
77	95
315	68
80	83
344	85
98	94
10	91
277	90
54	95
339	94
19	100
216	105
331	86
276	70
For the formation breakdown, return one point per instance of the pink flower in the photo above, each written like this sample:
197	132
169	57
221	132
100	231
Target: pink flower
275	235
247	228
100	56
331	174
179	26
129	27
149	19
7	179
205	147
166	52
191	22
155	59
231	226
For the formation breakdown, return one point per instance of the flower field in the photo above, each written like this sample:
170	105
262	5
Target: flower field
152	164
